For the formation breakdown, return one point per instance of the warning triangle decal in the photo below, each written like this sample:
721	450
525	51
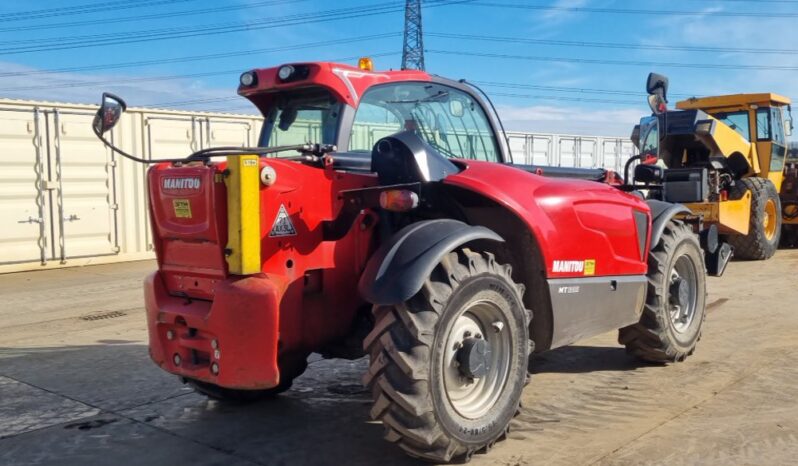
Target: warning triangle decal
282	224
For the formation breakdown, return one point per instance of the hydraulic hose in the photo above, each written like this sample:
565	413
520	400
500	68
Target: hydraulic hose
308	150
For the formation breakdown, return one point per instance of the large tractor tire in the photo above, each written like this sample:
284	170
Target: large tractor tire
764	228
290	369
675	308
447	367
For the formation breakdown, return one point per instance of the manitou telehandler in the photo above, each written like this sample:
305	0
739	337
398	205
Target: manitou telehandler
426	249
735	146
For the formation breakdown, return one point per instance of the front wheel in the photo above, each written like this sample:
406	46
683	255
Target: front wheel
675	308
764	227
447	367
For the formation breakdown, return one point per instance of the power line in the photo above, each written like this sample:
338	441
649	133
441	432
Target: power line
580	90
592	61
173	14
158	78
611	45
207	30
84	9
212	56
566	99
172	30
635	11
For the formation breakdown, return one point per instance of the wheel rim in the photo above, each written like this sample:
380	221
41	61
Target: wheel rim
682	294
474	397
770	219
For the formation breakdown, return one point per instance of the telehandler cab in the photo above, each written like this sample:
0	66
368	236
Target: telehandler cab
426	249
725	159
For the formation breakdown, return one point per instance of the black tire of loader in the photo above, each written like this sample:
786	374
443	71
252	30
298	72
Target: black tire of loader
405	343
653	338
288	372
755	245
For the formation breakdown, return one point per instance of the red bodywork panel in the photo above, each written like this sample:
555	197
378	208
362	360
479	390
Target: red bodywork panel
305	297
572	220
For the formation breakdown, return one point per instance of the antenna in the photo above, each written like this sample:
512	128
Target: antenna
413	49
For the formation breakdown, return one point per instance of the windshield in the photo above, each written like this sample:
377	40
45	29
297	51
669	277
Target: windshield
737	121
301	116
448	119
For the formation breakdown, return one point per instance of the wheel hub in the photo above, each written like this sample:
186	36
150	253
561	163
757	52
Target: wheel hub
474	358
477	356
679	292
682	294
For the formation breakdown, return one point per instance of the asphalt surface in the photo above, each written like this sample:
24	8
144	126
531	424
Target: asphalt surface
77	387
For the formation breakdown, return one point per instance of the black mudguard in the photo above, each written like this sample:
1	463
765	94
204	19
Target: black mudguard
661	214
398	269
717	254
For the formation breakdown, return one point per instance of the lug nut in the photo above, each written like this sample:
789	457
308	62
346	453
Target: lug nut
214	344
215	369
498	326
467	334
176	359
217	354
170	335
478	336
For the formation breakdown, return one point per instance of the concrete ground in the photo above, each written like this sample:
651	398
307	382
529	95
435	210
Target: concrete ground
77	387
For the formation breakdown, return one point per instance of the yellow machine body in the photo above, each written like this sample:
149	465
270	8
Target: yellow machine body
765	116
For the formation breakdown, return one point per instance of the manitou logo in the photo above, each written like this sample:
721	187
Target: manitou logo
568	266
182	183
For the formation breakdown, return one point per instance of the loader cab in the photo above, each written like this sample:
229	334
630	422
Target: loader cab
764	120
353	108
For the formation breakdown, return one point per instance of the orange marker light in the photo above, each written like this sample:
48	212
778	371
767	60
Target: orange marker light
398	200
365	64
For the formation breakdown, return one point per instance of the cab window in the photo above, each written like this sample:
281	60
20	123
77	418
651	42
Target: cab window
448	119
300	116
737	121
763	132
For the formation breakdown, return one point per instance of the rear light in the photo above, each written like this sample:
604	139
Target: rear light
724	195
398	200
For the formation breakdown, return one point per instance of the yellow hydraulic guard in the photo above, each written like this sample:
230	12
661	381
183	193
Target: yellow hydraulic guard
243	214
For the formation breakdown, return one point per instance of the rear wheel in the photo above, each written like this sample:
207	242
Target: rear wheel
290	368
764	228
447	367
675	308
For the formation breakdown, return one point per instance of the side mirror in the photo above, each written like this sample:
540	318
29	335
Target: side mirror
456	108
657	89
109	113
657	84
788	127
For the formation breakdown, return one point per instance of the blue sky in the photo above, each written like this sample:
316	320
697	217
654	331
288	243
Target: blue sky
579	66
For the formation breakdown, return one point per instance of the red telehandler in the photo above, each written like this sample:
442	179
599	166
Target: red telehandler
426	249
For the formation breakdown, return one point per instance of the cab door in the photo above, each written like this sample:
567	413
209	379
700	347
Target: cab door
771	143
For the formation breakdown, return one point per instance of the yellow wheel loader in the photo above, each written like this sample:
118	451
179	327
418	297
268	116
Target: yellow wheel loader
724	158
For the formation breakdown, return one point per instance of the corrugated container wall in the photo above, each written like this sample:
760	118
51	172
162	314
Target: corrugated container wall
66	199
